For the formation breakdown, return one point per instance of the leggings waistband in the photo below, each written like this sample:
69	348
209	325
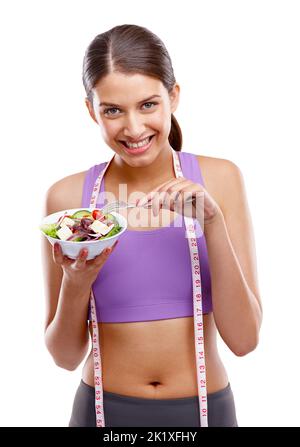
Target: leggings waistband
108	395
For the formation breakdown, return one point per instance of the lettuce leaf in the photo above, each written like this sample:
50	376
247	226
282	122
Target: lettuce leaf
50	230
117	228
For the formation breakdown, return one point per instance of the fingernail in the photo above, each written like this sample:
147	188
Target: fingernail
84	252
56	246
108	250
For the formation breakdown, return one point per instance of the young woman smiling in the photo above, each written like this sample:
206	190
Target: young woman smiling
143	288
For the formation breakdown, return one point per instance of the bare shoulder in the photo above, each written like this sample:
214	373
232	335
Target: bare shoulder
65	193
216	173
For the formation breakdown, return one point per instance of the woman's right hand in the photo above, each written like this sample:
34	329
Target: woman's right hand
79	271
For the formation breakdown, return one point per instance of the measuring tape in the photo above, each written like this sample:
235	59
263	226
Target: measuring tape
198	314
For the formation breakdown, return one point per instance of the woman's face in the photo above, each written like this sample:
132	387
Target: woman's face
130	115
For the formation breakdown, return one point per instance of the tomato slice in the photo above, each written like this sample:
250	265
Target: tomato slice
97	214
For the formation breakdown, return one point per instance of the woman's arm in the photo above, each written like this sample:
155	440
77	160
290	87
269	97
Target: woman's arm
231	251
67	336
66	331
68	284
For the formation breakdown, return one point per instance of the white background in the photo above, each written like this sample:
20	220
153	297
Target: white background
238	66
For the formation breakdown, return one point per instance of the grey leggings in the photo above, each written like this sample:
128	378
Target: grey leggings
130	411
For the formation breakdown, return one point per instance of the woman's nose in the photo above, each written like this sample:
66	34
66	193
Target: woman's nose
134	127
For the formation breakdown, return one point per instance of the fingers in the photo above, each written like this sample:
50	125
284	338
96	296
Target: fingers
159	196
114	245
58	256
100	259
166	186
171	199
157	201
145	199
81	259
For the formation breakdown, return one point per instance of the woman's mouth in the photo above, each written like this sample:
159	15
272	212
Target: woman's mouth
139	148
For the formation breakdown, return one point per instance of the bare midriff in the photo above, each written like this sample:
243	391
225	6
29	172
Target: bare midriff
155	359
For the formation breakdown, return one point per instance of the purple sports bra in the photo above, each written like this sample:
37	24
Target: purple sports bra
148	276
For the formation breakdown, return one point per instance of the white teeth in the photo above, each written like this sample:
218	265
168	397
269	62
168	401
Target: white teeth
140	144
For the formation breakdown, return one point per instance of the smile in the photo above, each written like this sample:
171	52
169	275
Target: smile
139	147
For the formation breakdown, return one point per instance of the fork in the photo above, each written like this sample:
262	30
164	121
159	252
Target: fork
121	204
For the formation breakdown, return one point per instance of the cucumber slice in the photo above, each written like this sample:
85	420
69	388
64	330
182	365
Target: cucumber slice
111	218
81	213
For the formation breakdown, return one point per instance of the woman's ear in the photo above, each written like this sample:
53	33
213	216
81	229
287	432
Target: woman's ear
91	109
174	97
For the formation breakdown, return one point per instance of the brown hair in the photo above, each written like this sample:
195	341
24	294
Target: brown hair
130	49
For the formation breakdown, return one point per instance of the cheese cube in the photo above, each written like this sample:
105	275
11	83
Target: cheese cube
64	233
67	221
109	228
100	227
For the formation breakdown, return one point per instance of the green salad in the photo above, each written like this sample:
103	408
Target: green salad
83	225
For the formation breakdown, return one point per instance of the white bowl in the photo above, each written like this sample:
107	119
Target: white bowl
72	249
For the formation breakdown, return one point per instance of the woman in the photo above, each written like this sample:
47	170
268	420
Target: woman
143	288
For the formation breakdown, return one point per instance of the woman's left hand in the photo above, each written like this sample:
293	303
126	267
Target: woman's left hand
175	195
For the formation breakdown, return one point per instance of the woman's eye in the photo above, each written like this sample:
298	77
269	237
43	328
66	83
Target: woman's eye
108	111
153	103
